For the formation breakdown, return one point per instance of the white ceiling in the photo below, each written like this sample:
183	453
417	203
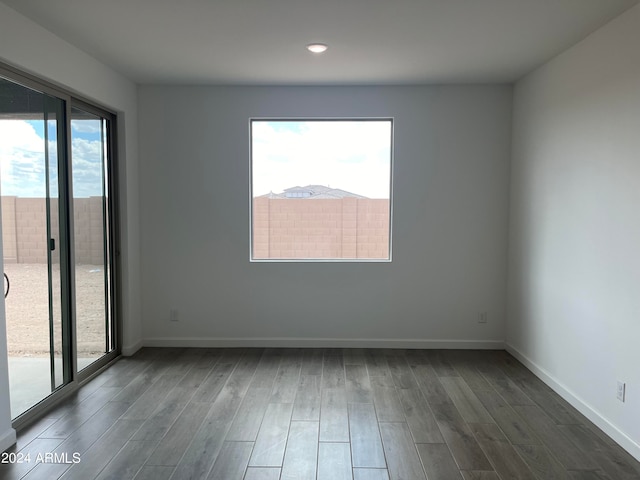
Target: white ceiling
370	41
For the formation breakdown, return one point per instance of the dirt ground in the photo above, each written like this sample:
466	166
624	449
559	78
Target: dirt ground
28	310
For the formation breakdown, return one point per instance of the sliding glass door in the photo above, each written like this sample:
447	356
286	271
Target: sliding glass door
32	160
90	154
57	235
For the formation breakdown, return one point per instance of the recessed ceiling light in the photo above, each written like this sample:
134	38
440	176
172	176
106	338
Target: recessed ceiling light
317	47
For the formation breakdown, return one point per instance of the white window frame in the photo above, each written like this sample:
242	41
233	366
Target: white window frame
321	260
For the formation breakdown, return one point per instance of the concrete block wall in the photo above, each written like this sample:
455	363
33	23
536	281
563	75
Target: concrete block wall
31	230
88	230
373	229
24	229
9	240
320	228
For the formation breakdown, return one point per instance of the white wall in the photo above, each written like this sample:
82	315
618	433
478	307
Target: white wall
574	276
31	48
449	233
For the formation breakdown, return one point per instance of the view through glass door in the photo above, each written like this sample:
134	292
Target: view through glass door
90	153
31	146
55	185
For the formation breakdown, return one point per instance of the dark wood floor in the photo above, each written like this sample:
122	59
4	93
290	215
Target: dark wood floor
326	414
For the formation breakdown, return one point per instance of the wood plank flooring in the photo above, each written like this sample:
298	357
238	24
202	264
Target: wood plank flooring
317	414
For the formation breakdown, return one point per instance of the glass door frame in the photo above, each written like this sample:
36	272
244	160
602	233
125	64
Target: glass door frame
62	188
73	378
113	233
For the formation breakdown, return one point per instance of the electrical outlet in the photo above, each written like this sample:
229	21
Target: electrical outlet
482	317
173	315
621	391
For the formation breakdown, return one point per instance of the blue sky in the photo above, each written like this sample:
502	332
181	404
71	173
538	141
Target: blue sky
351	155
22	165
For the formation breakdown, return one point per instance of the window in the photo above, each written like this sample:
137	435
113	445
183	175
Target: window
321	189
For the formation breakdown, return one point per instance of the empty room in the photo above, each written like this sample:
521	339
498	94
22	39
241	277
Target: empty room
364	240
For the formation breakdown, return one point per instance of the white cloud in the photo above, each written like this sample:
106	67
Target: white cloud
85	126
351	155
22	162
19	135
21	159
86	167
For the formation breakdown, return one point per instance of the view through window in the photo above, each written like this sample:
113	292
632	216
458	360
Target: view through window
321	189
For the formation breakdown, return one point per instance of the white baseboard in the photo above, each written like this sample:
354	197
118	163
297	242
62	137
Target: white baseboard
322	343
605	425
128	350
7	439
